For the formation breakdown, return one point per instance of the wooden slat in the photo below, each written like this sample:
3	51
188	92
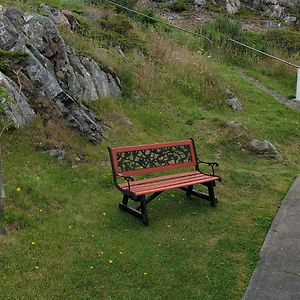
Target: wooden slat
160	178
184	181
158	169
170	187
168	182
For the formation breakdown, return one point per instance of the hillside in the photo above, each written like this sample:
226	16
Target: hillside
62	234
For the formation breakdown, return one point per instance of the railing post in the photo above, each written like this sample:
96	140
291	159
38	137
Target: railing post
298	86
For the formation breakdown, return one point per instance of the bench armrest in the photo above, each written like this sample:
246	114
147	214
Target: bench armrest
127	178
211	164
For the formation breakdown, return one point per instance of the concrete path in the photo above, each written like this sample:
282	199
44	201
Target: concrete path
277	275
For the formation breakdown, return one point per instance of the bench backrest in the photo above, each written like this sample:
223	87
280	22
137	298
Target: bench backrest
142	159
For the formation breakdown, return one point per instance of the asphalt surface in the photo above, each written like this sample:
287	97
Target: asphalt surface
277	275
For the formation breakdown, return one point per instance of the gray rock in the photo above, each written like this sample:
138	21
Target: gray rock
54	71
56	153
290	20
200	3
233	6
234	124
234	103
55	15
263	147
15	104
275	8
270	24
71	19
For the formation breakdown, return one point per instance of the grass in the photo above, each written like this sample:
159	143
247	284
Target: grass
72	217
75	243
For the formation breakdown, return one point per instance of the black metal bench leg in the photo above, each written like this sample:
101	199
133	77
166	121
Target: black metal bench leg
125	200
211	193
189	191
144	212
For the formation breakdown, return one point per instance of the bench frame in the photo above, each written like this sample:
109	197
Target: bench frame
141	210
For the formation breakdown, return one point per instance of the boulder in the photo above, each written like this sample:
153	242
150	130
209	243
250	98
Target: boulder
263	147
57	153
233	6
200	3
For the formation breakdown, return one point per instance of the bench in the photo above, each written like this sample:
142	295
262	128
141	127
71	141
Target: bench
145	159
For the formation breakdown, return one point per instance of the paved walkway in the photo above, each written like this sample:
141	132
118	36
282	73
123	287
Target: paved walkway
277	275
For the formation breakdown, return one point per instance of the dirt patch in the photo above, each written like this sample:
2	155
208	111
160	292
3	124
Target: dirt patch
10	228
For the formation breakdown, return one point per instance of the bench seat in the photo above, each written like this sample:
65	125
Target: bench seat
167	182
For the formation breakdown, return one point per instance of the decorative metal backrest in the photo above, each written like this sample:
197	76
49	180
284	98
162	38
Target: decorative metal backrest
143	159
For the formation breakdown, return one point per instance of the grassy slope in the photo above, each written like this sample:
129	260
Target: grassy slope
71	214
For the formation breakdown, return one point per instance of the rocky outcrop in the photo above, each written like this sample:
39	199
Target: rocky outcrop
282	9
14	102
53	69
275	8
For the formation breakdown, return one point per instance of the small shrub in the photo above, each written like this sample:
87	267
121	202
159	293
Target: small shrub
179	6
119	24
116	30
126	3
8	59
146	21
285	39
221	29
5	67
127	83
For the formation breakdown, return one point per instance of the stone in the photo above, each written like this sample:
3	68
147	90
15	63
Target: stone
290	20
263	147
234	103
57	153
200	3
58	17
233	124
233	6
72	20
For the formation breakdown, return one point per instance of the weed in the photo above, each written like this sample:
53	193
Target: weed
179	5
10	59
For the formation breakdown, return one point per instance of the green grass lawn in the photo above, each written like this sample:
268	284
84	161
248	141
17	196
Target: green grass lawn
72	228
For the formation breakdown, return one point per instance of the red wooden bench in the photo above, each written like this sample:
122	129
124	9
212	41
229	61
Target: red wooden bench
143	159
